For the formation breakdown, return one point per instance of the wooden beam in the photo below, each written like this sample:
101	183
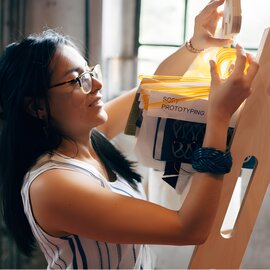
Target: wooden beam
251	138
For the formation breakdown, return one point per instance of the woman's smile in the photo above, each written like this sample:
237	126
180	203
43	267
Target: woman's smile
96	102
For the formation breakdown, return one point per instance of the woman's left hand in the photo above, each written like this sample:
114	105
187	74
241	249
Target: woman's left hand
205	27
227	95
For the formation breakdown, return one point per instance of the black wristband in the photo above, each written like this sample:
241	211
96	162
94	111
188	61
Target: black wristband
211	160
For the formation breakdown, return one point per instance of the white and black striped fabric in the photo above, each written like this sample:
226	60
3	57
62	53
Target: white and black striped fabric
74	251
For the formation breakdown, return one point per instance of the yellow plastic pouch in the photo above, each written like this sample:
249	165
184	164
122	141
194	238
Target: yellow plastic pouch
185	98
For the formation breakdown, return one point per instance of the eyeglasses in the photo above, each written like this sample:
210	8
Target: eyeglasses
85	79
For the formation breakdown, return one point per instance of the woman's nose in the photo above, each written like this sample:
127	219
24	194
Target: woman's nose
96	84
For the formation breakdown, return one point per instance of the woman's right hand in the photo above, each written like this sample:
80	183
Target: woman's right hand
227	95
206	25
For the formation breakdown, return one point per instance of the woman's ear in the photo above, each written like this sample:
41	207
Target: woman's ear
36	108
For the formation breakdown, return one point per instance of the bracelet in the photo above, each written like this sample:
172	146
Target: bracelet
190	47
211	160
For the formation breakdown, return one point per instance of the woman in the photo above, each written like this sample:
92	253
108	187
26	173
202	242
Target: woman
79	197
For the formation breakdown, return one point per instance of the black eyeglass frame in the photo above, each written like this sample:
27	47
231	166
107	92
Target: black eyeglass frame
78	79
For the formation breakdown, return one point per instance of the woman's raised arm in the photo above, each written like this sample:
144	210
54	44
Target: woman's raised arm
176	64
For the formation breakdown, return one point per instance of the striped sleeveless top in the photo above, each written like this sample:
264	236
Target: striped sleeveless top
75	251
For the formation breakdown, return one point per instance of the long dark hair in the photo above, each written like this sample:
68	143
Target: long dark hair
25	73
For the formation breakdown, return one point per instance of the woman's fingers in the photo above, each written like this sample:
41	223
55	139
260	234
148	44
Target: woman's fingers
205	26
215	79
252	69
240	62
240	65
212	6
211	22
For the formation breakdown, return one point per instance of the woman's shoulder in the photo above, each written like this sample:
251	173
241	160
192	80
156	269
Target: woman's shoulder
50	164
54	169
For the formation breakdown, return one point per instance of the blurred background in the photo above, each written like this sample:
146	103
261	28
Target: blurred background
128	38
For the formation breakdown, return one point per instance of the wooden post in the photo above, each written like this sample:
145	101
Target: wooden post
251	138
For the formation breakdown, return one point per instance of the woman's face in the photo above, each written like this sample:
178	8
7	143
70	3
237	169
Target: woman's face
74	112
